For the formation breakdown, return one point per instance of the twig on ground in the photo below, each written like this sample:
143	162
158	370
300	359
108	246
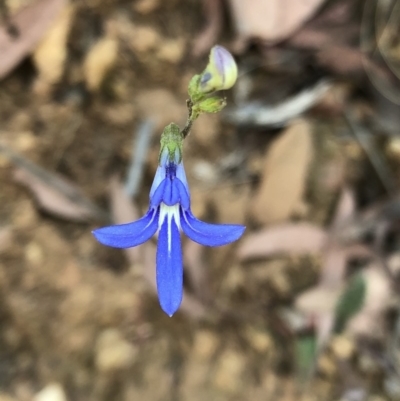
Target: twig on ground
258	114
140	149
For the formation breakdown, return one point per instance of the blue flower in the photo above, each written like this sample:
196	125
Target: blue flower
169	213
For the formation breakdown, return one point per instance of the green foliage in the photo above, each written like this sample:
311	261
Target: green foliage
305	351
350	302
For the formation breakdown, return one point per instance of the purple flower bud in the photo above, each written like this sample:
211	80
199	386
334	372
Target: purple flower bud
221	71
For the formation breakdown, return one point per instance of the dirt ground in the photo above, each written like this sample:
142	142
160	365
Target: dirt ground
81	321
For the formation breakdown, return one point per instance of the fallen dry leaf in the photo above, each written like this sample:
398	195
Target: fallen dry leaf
271	20
285	173
330	27
51	53
286	238
334	263
53	193
100	59
208	37
63	199
32	24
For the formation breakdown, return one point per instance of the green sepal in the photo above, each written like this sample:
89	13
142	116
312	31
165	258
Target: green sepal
213	104
171	144
193	89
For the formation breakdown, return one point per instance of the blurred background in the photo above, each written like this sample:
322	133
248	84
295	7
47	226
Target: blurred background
306	155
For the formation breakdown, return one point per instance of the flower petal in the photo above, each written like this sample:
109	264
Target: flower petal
167	196
180	173
171	192
131	234
184	198
175	193
159	176
169	267
209	234
157	197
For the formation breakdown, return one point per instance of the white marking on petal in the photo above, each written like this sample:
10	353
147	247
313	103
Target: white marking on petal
171	212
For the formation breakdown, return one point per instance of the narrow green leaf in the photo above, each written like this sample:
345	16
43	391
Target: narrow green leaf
305	351
350	302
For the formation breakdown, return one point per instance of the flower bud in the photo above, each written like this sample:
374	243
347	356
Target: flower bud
221	71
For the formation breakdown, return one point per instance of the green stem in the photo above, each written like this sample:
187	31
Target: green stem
189	122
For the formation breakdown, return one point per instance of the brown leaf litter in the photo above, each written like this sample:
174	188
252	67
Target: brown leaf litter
284	175
53	193
283	238
31	23
272	20
209	35
51	53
